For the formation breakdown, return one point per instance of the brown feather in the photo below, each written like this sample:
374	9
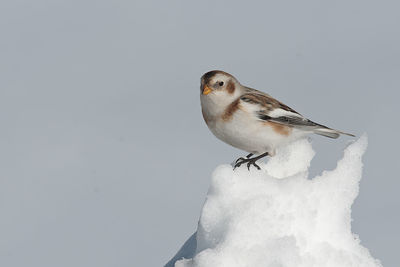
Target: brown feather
209	75
230	87
228	113
279	128
269	103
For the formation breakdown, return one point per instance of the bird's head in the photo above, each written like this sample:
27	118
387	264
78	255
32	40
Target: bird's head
219	87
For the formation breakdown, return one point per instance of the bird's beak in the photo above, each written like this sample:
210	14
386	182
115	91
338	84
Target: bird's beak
206	90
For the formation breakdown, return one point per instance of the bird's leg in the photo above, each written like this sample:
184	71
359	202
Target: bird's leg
241	158
250	161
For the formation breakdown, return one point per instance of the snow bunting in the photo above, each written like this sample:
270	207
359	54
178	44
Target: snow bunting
252	120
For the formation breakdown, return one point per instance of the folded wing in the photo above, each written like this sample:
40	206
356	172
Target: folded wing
267	108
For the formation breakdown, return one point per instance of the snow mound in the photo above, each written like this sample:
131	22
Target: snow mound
277	217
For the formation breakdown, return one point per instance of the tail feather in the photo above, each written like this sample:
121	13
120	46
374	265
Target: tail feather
331	133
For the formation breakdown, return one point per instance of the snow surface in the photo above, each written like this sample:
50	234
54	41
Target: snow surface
277	217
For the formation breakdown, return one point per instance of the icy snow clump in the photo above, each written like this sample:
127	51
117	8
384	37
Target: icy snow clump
277	217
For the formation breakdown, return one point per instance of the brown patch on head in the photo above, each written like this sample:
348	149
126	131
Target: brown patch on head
230	87
207	77
230	110
279	128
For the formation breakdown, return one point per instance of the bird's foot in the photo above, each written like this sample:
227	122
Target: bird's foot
238	160
253	162
249	161
241	158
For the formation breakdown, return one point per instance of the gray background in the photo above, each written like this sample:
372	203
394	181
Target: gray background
105	159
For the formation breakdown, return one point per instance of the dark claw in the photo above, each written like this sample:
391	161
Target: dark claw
239	159
239	162
258	167
254	164
237	165
249	161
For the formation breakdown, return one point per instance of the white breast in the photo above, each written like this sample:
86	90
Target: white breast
246	132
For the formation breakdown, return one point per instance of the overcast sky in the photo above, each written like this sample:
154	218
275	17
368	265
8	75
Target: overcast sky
105	159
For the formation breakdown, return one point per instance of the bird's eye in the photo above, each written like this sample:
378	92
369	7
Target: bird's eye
221	83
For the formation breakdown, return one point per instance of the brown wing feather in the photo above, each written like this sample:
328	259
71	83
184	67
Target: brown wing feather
267	104
257	97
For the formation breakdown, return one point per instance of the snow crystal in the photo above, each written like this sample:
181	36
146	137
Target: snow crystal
254	219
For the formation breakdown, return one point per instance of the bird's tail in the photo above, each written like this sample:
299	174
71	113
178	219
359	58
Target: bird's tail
331	133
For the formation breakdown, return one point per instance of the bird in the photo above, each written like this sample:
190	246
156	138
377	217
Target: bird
251	120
